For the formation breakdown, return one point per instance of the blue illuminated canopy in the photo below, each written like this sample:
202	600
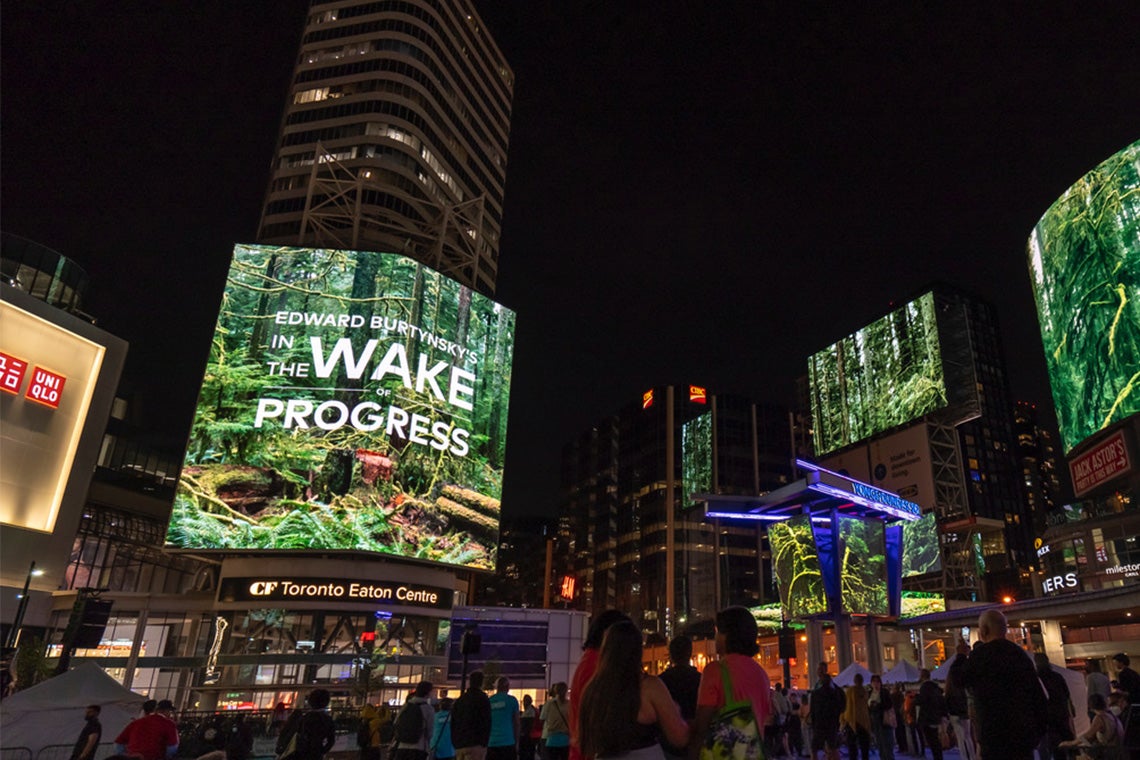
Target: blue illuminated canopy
819	493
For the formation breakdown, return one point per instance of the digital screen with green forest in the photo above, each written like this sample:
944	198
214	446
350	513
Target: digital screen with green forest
1084	262
352	401
863	566
886	374
796	566
696	457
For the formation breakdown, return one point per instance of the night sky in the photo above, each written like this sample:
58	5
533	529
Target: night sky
697	192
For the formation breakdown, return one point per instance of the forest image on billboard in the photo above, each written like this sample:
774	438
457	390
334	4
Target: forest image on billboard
885	374
863	566
696	457
352	401
1084	262
796	566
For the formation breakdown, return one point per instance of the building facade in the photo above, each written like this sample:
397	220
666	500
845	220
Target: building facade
631	534
930	377
394	137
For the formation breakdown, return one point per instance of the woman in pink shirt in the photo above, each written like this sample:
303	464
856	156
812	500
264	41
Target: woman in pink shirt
736	645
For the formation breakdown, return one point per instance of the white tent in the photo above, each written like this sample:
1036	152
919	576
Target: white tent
942	672
903	672
847	676
51	713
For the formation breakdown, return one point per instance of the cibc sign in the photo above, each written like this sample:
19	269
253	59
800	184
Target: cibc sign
338	590
1102	463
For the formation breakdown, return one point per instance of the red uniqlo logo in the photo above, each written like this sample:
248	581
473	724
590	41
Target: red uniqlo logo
11	373
46	387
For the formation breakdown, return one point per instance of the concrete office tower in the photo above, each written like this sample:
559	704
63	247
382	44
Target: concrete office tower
395	137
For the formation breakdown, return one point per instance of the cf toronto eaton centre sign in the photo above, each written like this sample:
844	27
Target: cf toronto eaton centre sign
333	590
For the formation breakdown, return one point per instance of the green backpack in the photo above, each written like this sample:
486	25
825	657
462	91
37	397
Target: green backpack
733	733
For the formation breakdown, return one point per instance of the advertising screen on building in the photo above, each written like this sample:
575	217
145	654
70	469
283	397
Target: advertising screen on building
1084	262
886	374
795	563
352	401
696	457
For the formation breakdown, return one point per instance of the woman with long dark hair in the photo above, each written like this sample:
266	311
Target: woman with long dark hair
599	624
624	710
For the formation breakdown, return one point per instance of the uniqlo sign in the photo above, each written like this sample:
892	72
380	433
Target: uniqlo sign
11	373
46	387
1100	464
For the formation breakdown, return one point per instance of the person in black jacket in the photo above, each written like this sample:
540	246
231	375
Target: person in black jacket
1128	678
310	733
1009	701
1059	726
931	706
471	721
683	682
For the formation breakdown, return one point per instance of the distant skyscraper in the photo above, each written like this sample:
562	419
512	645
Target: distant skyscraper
395	136
1039	472
630	534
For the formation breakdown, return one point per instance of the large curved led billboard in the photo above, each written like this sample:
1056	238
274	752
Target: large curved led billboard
1084	260
886	374
352	401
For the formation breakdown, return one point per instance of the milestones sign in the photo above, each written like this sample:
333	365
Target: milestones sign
366	592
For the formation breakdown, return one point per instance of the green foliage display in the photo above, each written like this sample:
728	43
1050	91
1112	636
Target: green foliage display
863	566
1084	261
696	457
920	546
353	401
888	373
795	562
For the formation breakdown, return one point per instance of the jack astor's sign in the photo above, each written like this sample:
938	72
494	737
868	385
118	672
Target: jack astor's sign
1100	464
393	593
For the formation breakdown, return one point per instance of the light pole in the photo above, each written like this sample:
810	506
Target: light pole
13	638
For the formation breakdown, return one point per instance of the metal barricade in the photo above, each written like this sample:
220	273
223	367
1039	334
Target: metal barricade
15	753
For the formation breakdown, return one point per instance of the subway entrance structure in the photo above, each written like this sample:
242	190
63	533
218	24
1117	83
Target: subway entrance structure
837	547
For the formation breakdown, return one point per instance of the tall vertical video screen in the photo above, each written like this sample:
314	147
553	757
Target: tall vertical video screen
886	374
696	457
1084	262
796	565
352	401
863	566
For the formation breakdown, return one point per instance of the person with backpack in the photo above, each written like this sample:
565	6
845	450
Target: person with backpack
1009	701
308	734
734	682
414	724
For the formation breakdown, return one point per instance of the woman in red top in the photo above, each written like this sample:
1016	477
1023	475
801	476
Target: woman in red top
585	670
736	645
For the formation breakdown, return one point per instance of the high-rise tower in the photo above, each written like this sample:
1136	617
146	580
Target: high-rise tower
394	136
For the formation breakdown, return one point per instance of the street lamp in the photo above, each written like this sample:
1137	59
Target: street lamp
13	639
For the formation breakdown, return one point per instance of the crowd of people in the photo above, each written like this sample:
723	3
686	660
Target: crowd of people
996	703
